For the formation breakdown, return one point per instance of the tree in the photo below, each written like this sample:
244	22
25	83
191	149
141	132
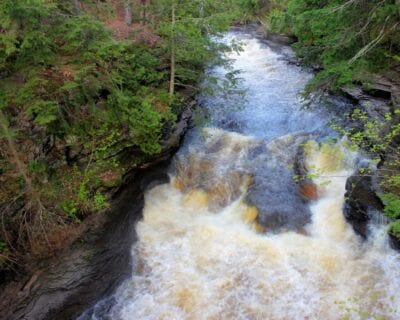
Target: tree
77	6
173	51
128	12
348	38
189	29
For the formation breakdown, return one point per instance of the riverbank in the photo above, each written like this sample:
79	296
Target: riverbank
94	100
97	261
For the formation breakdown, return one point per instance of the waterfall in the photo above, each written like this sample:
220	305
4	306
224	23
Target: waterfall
231	237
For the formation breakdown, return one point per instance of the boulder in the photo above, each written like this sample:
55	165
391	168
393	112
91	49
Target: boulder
394	242
309	191
396	97
280	38
379	86
275	191
361	199
375	107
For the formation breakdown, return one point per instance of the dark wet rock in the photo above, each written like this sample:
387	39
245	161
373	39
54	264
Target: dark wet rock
262	31
280	38
88	271
175	137
354	92
376	98
279	203
83	273
230	125
380	87
396	97
361	199
375	107
275	191
300	167
394	242
154	179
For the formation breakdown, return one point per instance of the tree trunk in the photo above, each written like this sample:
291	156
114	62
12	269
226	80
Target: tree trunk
143	12
173	54
77	5
128	12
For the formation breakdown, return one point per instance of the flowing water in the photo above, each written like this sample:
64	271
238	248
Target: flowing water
233	236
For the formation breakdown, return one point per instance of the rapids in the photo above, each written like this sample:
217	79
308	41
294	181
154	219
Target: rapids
231	238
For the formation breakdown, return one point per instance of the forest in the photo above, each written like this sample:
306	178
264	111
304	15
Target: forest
91	90
85	85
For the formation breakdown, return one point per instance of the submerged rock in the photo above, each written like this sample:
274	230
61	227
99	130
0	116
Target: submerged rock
309	191
275	191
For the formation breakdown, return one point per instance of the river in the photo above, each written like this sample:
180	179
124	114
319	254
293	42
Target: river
233	237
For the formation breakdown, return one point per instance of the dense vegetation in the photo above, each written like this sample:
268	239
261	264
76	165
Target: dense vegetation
349	39
88	90
351	42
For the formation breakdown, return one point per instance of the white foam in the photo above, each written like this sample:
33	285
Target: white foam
196	264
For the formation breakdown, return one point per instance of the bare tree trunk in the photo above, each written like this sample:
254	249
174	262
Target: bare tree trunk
152	18
128	12
173	54
77	5
143	11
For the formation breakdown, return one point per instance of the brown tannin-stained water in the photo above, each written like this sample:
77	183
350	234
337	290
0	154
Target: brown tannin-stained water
231	237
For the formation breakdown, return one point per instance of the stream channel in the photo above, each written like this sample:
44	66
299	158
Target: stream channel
232	236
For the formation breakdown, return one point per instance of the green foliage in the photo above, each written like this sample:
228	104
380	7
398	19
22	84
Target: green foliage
45	112
100	201
395	229
192	35
348	38
257	8
81	33
70	208
101	68
145	124
25	35
380	138
392	205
